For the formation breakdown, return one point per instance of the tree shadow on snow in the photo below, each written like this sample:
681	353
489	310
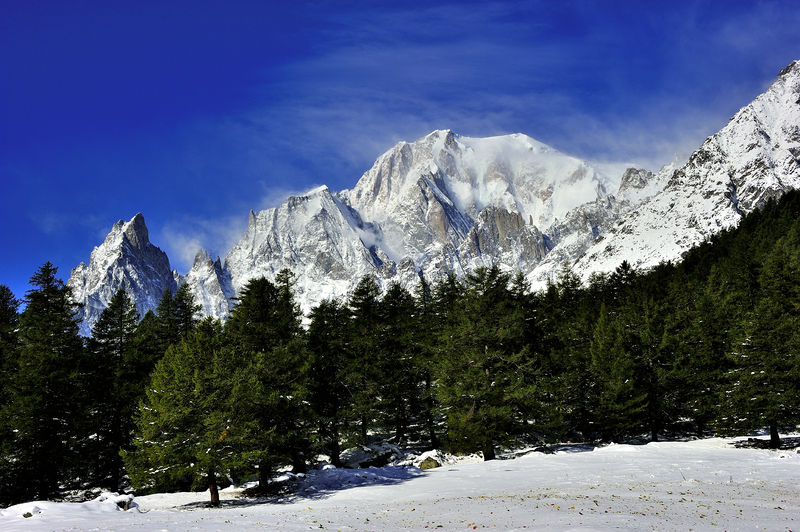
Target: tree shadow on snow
320	484
550	449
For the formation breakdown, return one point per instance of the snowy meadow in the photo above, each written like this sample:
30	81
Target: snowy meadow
707	484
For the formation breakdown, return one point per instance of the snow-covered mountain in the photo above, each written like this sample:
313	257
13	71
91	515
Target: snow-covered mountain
319	238
444	203
126	259
211	285
755	157
448	203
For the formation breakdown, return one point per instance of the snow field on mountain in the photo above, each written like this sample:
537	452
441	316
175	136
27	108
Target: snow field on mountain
696	485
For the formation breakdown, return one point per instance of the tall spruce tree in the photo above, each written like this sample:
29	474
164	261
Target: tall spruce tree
617	405
264	329
574	320
399	372
425	348
482	373
766	374
328	337
9	345
177	316
362	368
643	329
119	386
9	323
185	434
48	386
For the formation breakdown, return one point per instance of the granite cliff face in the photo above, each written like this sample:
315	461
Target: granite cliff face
126	259
447	203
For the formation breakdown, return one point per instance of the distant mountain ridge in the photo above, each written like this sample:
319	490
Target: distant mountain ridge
447	203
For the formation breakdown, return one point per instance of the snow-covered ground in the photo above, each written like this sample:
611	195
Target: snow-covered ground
698	485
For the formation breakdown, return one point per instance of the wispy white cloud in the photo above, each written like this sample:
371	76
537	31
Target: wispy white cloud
183	237
376	81
568	75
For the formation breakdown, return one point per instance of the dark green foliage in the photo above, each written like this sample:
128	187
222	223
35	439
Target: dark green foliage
120	378
47	387
362	374
177	316
9	347
481	376
616	404
9	322
185	434
766	362
328	344
264	332
397	360
427	329
265	315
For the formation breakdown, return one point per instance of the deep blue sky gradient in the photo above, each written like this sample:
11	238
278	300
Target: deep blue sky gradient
195	112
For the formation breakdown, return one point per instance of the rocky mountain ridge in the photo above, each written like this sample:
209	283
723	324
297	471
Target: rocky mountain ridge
754	158
448	203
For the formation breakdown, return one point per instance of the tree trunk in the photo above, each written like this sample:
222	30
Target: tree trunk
774	437
116	444
700	427
298	462
429	413
335	450
212	488
399	432
363	429
263	476
488	450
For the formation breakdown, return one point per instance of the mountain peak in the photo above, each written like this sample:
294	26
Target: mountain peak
126	259
136	232
791	68
202	257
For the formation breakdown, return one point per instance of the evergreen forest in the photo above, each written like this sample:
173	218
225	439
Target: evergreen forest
169	401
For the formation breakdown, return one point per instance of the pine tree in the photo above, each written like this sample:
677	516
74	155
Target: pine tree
765	389
265	315
265	332
697	334
362	369
481	376
148	344
328	335
47	387
642	319
177	316
185	434
119	386
574	320
9	346
165	330
185	311
427	327
617	405
9	322
397	357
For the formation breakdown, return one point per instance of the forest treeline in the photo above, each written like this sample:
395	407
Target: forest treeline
708	345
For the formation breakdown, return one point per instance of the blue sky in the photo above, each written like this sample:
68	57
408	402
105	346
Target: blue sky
195	112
